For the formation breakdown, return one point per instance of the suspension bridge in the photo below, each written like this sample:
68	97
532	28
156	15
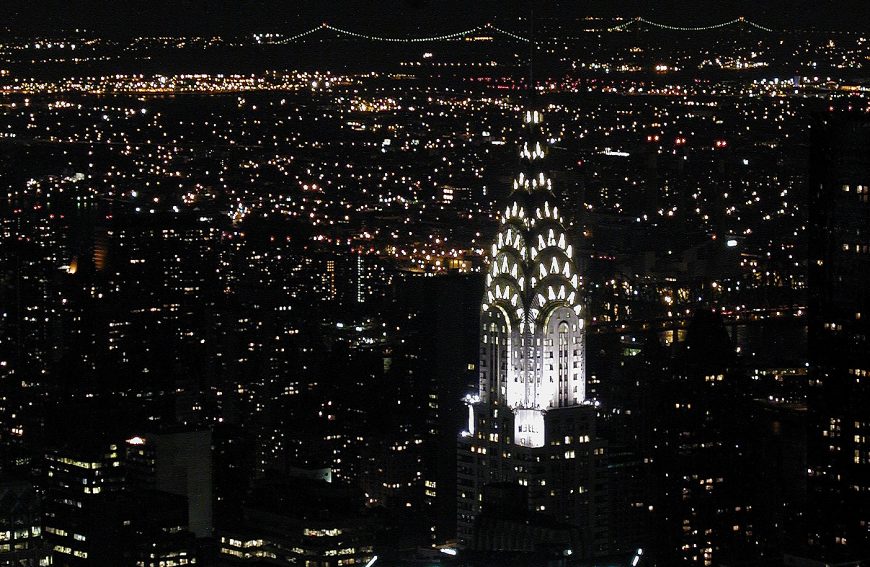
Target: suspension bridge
490	28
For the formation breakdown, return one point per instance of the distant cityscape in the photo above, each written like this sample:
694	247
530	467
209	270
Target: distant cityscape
584	291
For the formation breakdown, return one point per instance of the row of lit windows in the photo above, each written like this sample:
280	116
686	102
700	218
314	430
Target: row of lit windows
71	551
858	248
74	462
243	544
168	563
569	439
345	551
19	534
321	533
859	189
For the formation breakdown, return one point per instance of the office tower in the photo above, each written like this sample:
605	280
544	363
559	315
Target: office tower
838	444
123	535
179	463
446	312
299	521
21	542
697	437
79	481
530	422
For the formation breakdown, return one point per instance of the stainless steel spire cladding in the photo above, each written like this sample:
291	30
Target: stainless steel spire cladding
532	332
530	425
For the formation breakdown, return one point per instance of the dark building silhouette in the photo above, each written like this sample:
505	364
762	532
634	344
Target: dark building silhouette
21	537
839	351
299	521
78	481
448	311
702	511
508	532
176	462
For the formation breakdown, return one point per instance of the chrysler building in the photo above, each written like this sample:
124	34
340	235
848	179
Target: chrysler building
530	423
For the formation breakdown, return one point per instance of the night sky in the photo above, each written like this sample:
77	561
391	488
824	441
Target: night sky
132	17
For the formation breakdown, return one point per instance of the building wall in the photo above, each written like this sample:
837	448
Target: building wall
183	466
839	327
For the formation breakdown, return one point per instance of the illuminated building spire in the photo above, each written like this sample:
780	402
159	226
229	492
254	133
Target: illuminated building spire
531	404
532	336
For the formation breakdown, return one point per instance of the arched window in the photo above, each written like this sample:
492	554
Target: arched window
564	362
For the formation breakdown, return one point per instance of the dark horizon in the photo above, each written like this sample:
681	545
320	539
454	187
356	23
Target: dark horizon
230	17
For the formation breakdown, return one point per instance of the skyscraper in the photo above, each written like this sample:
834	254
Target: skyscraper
177	462
20	526
530	422
838	437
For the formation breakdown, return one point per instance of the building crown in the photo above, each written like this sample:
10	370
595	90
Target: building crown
531	262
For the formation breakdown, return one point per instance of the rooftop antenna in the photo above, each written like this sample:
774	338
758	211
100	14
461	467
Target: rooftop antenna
531	53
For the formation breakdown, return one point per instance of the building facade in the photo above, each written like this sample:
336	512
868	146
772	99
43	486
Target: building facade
21	538
838	436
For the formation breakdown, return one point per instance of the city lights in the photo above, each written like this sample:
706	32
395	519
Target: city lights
434	283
